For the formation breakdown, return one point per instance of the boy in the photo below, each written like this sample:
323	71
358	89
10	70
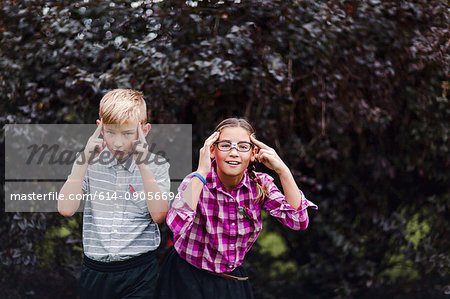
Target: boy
120	230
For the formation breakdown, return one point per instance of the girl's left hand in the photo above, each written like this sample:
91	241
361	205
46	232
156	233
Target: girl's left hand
269	157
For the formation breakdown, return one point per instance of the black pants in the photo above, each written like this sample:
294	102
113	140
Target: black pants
179	279
133	278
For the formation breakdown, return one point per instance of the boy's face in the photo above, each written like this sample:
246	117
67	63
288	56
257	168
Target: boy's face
120	139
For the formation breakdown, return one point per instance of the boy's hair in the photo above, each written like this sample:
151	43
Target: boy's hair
262	191
121	106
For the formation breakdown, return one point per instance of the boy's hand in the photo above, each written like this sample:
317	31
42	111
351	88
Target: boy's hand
140	147
269	157
95	144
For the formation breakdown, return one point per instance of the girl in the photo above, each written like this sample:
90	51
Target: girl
217	215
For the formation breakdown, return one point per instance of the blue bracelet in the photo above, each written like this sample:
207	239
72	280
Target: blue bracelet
200	177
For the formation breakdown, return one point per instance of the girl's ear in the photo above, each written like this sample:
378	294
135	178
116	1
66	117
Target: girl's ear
211	152
253	156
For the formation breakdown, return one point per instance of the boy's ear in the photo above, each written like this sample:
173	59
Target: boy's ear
146	128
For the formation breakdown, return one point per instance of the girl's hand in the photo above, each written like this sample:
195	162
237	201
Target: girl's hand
269	157
204	162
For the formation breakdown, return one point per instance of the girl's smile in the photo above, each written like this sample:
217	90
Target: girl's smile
231	163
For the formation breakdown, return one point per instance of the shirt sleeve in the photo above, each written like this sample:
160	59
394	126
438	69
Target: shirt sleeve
161	174
181	216
85	184
276	205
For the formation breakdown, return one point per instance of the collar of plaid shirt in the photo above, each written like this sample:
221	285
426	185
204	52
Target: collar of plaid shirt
213	181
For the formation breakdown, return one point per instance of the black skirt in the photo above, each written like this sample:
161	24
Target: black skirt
179	279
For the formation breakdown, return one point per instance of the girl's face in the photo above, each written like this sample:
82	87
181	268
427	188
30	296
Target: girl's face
232	163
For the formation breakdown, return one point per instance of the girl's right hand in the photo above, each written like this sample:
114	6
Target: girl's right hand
204	162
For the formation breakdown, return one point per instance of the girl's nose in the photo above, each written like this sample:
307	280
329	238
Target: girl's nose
234	151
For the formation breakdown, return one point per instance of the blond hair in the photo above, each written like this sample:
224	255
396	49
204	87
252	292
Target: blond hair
243	123
121	106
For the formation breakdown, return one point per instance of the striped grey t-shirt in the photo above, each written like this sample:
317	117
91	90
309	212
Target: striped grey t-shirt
116	222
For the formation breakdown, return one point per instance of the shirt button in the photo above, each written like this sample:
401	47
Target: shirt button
233	224
115	231
230	266
232	245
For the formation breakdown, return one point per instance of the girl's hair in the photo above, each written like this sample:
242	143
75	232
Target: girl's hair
243	123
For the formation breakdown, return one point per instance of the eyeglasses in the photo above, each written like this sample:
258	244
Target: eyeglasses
226	146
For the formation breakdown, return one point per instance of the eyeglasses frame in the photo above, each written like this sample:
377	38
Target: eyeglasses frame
234	145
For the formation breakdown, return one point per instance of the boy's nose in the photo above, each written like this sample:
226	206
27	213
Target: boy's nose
118	142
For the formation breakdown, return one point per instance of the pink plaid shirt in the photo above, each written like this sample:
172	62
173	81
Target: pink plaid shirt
217	235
